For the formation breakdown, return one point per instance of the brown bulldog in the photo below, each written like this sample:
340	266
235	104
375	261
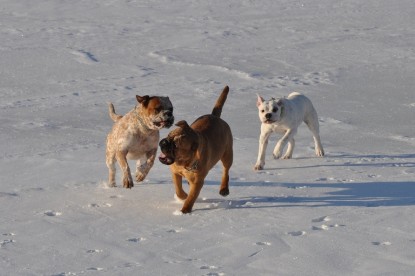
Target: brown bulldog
191	151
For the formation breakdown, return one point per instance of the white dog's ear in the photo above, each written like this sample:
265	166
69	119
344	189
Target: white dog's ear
260	100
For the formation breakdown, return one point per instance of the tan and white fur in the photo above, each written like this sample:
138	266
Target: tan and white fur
135	136
284	115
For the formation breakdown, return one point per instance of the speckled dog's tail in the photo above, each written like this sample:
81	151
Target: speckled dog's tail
115	117
217	109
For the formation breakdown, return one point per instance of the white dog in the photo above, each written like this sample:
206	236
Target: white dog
284	116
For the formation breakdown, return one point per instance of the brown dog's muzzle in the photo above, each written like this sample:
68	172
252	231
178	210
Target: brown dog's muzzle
167	151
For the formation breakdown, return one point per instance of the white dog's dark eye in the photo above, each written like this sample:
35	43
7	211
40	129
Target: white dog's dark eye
274	109
262	111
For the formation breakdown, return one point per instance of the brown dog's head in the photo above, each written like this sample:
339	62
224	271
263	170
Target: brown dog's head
179	146
156	112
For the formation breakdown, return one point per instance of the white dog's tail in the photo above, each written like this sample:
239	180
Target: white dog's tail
217	109
115	117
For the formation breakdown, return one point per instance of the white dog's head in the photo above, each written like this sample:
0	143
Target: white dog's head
269	111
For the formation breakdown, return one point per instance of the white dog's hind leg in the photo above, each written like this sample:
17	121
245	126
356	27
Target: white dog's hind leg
288	136
314	128
290	149
263	142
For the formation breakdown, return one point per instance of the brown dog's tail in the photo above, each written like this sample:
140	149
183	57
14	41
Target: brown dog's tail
115	117
217	109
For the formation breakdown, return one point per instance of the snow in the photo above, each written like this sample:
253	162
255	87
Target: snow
349	213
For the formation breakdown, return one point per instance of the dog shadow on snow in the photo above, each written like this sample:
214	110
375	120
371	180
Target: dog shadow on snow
360	194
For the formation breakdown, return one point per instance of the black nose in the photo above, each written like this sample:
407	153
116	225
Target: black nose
268	115
164	143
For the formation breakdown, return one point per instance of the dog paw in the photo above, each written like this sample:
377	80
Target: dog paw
224	192
186	210
277	155
128	183
320	152
140	177
286	157
258	167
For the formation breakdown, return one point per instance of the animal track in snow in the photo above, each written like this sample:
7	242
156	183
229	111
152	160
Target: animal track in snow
173	60
311	78
174	231
5	242
321	227
263	243
297	233
96	205
385	243
51	213
94	251
137	240
95	268
84	57
321	219
324	227
208	267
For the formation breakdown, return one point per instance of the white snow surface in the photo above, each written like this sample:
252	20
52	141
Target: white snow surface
349	213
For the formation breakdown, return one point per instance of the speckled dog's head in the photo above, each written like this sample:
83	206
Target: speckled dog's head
156	112
269	111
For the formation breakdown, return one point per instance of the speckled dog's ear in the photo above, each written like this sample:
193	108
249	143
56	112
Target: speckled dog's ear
143	100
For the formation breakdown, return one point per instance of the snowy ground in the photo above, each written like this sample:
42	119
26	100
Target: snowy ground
349	213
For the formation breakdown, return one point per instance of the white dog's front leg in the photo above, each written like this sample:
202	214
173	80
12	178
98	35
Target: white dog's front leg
288	136
263	142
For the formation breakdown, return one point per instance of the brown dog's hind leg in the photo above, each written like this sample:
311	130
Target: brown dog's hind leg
227	160
122	161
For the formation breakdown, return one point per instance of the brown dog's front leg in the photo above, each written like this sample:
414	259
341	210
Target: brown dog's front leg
177	180
194	191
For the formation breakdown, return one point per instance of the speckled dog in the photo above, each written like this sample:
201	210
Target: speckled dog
135	136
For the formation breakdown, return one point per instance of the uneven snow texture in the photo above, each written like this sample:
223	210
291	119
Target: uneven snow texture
349	213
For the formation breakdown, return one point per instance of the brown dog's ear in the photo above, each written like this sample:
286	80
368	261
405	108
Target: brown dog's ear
143	100
182	124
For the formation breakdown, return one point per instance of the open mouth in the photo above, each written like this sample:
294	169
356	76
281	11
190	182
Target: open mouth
268	121
165	160
167	123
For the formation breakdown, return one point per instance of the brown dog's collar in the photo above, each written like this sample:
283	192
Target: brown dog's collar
193	167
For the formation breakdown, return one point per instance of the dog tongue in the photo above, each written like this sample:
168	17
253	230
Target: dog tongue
162	156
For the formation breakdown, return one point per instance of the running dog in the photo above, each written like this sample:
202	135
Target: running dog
191	151
135	136
284	116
